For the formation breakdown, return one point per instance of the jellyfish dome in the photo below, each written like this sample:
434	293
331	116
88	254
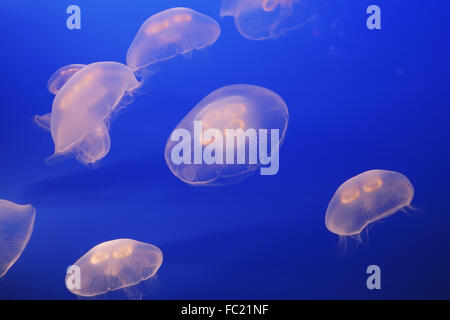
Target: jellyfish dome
228	135
366	198
114	265
268	19
60	77
169	33
16	227
84	105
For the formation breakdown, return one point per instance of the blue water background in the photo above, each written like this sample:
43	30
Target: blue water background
358	100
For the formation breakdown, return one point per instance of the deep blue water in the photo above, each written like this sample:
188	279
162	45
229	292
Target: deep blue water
358	100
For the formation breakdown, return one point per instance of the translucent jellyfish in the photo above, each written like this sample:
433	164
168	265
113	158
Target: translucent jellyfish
83	107
169	33
16	226
115	265
268	19
366	198
228	136
60	77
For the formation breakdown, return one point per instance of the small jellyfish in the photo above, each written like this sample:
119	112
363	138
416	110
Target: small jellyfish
268	19
169	33
16	227
228	135
366	198
83	107
114	265
60	77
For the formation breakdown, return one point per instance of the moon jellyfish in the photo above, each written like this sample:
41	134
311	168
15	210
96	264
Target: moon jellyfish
83	107
114	265
16	226
268	19
60	77
169	33
366	198
228	132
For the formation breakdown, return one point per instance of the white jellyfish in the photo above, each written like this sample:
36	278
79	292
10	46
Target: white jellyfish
169	33
366	198
114	265
228	136
83	107
268	19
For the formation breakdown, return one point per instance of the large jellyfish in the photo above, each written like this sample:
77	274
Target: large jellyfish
169	33
114	265
16	227
366	198
83	107
268	19
231	133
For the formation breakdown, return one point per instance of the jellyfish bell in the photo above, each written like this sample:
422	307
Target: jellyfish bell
83	107
228	136
60	77
114	265
269	19
16	227
169	33
366	198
